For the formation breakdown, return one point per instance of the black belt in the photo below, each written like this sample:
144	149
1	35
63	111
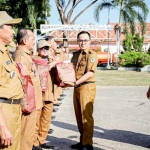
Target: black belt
88	82
10	101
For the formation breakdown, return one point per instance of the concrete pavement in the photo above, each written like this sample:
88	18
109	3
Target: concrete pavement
122	120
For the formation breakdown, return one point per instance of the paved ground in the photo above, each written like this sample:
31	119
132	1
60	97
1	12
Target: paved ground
122	120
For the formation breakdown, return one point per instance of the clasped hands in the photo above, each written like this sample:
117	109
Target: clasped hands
69	84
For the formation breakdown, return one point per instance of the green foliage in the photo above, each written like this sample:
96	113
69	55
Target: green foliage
128	12
33	12
134	59
148	51
2	1
138	42
127	42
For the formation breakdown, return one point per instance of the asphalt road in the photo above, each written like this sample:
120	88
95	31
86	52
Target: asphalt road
122	120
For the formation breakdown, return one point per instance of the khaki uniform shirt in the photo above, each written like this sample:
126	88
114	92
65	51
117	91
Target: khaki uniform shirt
10	81
66	56
49	94
84	61
23	56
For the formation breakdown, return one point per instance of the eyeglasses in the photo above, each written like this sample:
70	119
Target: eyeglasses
83	41
45	48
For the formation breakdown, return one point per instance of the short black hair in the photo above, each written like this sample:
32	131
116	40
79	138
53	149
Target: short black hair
49	38
22	33
84	32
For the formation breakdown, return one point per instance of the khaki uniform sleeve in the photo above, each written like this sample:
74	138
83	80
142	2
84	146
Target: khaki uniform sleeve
92	62
1	68
21	59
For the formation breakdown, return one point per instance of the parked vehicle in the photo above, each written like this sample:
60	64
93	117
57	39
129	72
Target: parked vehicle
103	59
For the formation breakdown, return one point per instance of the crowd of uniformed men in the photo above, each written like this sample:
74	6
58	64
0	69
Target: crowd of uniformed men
28	131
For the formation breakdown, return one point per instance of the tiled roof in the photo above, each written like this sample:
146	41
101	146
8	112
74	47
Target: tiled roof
102	35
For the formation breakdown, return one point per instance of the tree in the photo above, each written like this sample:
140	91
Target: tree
127	42
128	12
66	12
3	1
133	42
33	12
103	5
138	42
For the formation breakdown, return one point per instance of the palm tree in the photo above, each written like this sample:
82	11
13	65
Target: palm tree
101	6
128	12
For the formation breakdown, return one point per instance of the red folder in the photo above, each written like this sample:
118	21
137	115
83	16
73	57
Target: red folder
65	73
28	103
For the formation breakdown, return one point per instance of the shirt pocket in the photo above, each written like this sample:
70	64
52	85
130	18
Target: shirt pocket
8	74
82	66
9	71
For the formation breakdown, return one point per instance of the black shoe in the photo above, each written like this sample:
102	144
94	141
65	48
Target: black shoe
76	146
37	148
58	104
47	146
87	147
60	99
50	131
62	95
55	110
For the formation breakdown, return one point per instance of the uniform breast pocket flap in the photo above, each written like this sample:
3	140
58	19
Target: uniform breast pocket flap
8	68
11	72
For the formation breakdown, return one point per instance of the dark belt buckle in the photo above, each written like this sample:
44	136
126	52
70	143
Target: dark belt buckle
10	101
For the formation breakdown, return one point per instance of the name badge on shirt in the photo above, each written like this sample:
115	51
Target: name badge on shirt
8	62
12	74
34	73
92	60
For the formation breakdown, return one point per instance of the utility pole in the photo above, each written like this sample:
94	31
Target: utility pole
108	64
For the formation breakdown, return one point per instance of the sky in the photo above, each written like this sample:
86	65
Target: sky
88	17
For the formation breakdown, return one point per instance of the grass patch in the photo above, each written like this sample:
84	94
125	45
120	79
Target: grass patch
122	78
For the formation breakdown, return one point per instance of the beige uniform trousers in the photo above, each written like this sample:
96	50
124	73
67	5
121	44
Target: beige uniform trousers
56	94
83	104
28	130
12	115
43	123
60	91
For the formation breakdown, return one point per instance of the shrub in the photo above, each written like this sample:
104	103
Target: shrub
138	42
127	42
134	59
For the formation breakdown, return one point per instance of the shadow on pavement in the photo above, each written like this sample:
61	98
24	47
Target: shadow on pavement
64	143
129	137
